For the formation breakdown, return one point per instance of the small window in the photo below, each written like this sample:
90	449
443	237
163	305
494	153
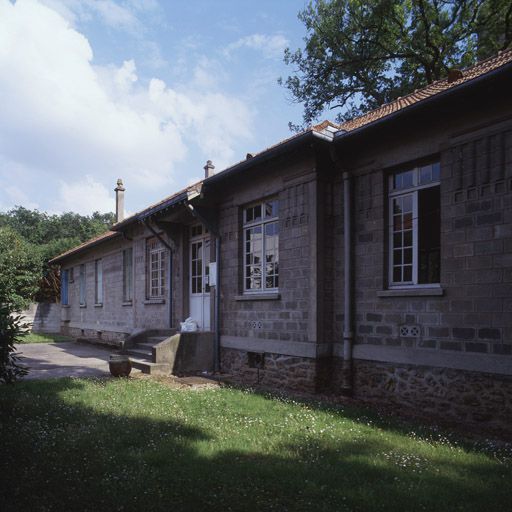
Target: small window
128	275
64	288
155	269
98	282
71	274
415	226
82	291
261	247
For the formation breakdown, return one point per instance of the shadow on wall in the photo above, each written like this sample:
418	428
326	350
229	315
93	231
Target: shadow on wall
43	316
99	447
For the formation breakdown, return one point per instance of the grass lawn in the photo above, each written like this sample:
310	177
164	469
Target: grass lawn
110	445
33	337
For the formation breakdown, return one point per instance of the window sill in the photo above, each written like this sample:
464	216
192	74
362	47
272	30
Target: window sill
83	305
437	291
66	306
98	305
154	301
127	303
258	296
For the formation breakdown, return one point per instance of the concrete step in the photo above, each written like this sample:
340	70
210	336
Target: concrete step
154	340
143	352
146	366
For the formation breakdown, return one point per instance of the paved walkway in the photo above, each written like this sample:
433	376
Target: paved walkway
70	359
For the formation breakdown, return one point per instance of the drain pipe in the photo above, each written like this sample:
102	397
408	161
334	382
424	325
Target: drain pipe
348	335
216	348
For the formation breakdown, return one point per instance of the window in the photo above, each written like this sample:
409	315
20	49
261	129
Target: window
128	275
261	246
64	288
415	226
98	282
71	275
155	269
82	285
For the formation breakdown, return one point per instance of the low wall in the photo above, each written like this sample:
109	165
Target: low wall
43	317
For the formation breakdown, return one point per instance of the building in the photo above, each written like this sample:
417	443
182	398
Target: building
372	258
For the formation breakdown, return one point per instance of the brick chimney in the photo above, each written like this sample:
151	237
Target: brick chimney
209	169
119	190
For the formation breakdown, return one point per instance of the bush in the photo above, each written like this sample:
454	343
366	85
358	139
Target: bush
11	329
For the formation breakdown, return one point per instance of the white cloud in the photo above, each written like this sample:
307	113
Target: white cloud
85	196
117	15
64	116
272	47
18	197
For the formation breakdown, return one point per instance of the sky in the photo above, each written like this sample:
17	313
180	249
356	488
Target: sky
143	90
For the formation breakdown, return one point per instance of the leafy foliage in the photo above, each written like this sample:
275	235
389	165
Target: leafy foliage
29	239
20	269
11	331
360	54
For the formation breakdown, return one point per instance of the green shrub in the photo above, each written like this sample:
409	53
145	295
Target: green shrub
11	330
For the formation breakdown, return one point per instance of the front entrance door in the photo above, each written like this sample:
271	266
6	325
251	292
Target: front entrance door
199	278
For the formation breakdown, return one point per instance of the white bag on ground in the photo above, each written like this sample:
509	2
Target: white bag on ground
189	325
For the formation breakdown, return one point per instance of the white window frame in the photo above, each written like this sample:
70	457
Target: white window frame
128	274
82	285
247	225
98	282
403	192
155	253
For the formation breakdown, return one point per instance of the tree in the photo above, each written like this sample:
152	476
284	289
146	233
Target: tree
20	269
360	54
40	237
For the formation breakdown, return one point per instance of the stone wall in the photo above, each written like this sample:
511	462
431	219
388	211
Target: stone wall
471	311
452	394
43	317
279	371
291	314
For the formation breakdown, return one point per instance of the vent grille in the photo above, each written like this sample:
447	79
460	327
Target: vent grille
410	331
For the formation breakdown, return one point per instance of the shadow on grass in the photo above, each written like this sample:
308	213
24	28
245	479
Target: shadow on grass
58	453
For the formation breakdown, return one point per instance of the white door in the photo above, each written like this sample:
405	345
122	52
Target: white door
199	280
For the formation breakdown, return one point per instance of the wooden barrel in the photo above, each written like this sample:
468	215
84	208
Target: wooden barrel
120	365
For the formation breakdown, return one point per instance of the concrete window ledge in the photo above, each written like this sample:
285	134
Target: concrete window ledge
65	306
154	301
412	292
258	296
127	303
99	305
83	305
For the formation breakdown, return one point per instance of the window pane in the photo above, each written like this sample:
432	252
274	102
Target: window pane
407	238
397	274
407	273
397	257
436	171
425	174
429	235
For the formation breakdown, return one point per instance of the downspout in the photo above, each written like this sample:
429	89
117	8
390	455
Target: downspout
348	334
216	348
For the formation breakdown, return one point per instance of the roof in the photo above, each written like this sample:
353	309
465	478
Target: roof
168	201
482	68
89	243
324	130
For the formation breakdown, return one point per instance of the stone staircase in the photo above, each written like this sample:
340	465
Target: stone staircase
143	354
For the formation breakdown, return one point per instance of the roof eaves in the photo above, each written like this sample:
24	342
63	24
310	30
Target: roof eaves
344	134
109	235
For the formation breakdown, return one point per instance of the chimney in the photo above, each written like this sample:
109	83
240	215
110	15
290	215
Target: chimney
208	169
454	75
119	190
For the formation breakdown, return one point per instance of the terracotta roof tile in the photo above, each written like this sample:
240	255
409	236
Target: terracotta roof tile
434	88
93	241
